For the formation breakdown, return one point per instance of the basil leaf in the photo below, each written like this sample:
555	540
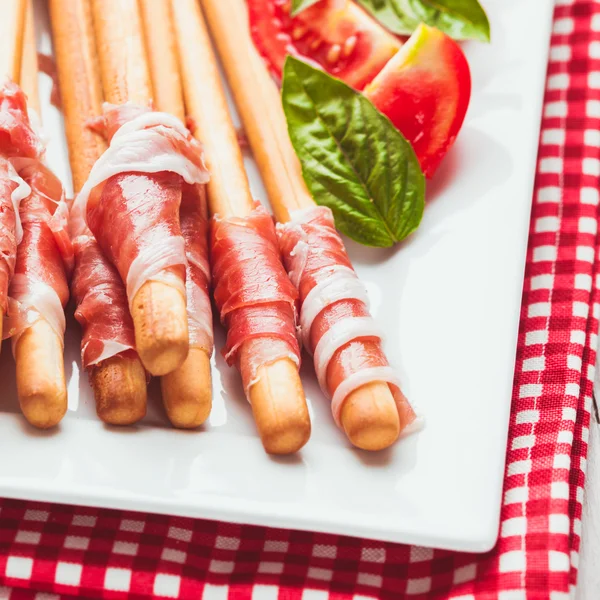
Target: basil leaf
353	159
300	5
392	14
460	19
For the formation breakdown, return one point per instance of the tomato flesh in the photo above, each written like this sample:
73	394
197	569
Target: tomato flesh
425	90
337	35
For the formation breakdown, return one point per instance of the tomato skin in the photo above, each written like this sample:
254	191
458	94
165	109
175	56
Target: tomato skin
425	91
336	35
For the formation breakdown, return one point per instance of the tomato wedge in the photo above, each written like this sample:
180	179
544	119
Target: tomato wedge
425	90
337	35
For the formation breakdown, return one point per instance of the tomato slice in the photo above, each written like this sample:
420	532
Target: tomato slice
425	90
337	35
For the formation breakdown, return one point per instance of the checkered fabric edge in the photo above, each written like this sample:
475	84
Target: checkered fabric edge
47	551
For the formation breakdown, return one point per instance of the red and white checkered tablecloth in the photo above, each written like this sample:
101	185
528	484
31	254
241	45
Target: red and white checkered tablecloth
47	551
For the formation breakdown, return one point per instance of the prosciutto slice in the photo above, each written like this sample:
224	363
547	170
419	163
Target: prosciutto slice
335	322
16	139
12	190
254	296
39	287
132	197
17	136
35	250
99	293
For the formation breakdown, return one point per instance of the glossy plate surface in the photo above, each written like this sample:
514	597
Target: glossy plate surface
449	301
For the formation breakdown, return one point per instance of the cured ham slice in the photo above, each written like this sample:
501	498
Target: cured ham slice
35	249
99	294
17	136
39	287
194	228
132	197
254	295
16	139
12	190
102	309
335	322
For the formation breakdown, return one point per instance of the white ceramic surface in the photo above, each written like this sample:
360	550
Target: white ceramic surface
449	301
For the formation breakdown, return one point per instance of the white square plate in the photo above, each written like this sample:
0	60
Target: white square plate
449	301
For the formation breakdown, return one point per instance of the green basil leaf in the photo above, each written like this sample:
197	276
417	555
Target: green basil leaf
353	159
460	19
392	14
300	5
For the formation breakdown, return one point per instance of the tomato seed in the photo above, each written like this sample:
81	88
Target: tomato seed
349	46
314	45
298	32
334	54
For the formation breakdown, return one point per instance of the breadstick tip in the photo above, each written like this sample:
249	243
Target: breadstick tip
119	385
41	385
279	407
187	393
161	327
370	417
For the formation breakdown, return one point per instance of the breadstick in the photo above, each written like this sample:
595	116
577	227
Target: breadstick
119	383
277	399
187	391
79	80
11	37
158	310
120	391
11	48
122	52
40	374
40	369
29	61
369	415
162	55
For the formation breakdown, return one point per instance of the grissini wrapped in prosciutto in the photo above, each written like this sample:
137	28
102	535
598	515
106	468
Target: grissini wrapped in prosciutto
116	373
132	197
256	300
194	228
186	391
38	289
11	47
159	306
349	361
16	139
335	322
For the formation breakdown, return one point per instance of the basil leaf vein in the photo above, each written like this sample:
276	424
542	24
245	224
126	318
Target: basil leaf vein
460	19
353	159
300	5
